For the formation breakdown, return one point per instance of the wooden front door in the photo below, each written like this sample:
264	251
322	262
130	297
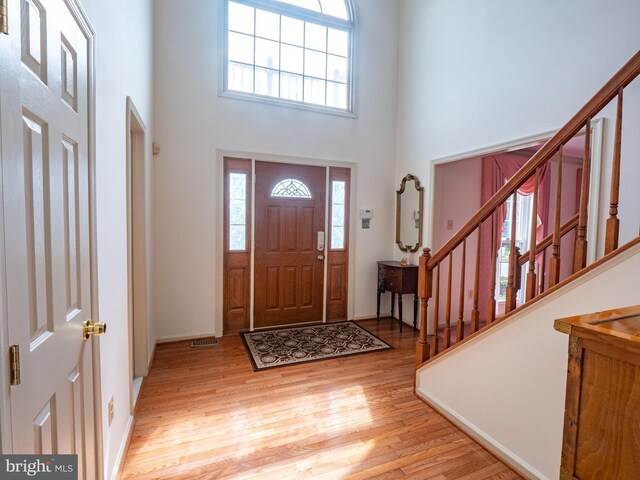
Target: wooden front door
289	265
44	219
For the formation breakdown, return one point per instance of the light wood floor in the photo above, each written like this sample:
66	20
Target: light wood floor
203	413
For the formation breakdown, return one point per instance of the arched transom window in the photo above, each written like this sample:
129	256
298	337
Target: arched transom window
293	51
290	187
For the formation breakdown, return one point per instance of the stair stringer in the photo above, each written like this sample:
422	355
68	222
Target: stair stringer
506	388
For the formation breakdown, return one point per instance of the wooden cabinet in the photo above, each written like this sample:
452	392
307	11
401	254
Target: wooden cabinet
399	280
602	409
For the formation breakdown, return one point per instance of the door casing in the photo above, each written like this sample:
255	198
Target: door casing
136	244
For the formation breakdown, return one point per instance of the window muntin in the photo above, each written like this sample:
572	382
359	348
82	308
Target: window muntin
338	200
334	8
237	211
292	50
290	188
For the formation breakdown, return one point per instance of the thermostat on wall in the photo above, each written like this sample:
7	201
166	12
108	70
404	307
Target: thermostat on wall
366	213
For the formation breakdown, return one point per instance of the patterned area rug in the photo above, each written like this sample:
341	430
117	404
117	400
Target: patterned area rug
278	347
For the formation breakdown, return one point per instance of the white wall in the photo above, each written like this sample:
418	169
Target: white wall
477	73
508	386
123	68
193	123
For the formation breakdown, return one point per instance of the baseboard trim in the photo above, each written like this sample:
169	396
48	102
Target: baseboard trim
371	316
180	338
124	447
485	440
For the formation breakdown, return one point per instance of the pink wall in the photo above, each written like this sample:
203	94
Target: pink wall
456	199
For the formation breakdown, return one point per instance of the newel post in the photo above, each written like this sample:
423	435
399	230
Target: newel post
425	277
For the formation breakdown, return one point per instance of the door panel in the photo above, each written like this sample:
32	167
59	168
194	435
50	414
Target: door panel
45	431
45	187
289	276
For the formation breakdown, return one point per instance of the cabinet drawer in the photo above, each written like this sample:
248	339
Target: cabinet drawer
392	281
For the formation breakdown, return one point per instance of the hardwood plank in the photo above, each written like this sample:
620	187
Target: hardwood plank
204	414
493	471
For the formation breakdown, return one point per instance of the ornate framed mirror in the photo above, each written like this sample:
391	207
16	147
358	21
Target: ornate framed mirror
409	201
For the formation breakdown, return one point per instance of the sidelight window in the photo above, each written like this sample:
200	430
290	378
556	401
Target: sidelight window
237	211
337	213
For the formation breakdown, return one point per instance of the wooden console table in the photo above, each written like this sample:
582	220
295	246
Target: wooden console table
602	406
399	280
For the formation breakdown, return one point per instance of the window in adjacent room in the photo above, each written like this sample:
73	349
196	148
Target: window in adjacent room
293	51
524	210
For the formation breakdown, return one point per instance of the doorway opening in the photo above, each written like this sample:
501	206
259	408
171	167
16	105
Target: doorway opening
462	184
136	250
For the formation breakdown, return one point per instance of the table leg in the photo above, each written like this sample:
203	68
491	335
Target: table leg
400	311
415	311
393	304
378	307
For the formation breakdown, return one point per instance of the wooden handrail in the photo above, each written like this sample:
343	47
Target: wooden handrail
546	241
621	79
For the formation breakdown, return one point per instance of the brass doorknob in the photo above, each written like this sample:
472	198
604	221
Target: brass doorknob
93	328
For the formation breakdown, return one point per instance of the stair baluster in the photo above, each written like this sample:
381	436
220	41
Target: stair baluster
436	315
447	319
460	324
613	223
475	313
512	291
580	257
491	307
531	275
554	263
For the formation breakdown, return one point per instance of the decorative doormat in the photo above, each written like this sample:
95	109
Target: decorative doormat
278	347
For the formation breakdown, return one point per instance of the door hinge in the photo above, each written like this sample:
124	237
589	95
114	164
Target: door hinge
4	21
14	362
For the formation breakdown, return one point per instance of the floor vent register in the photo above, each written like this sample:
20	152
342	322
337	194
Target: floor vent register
205	343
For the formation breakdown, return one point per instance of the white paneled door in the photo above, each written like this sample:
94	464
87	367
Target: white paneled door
46	250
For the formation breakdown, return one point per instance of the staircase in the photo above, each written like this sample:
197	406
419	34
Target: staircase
502	377
436	286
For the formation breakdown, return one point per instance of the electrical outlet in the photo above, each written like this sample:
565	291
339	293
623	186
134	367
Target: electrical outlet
111	411
470	294
449	224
